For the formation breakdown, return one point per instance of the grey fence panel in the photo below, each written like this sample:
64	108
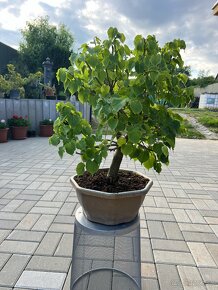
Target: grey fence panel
2	110
39	114
53	112
24	112
32	114
16	105
46	109
9	109
36	110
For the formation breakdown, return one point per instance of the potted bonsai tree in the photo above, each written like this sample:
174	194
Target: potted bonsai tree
19	126
129	90
3	131
46	128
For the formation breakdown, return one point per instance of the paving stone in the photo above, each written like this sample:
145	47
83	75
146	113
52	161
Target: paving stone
49	244
200	237
26	206
149	201
215	229
202	228
13	269
169	245
43	223
61	228
170	257
11	216
61	196
57	204
65	246
195	216
161	201
41	280
160	217
212	220
18	248
44	210
213	249
172	231
67	208
67	281
21	235
181	216
8	224
146	251
191	278
3	234
168	277
148	270
3	259
49	195
67	219
157	210
12	205
209	213
209	275
156	230
212	287
28	221
201	255
50	264
150	284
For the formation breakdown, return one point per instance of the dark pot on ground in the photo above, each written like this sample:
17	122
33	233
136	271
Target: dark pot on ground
3	135
111	208
19	133
46	130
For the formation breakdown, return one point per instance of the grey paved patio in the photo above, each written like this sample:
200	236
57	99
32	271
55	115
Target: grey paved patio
179	218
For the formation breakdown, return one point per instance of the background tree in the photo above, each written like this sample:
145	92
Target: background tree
203	79
41	40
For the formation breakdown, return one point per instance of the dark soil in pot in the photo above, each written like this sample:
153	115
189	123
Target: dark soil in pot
127	181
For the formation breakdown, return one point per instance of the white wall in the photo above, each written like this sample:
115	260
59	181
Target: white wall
208	101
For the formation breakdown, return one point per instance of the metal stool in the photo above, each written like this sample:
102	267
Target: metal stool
105	257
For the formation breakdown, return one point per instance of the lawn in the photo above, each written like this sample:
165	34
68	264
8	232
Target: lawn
208	118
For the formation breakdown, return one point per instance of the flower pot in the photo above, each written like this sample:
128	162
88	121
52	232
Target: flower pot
111	208
3	135
46	130
19	133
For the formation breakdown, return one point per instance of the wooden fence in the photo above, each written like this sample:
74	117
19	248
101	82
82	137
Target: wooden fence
36	110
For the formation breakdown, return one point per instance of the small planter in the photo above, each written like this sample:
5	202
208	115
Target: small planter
19	133
4	135
46	130
111	208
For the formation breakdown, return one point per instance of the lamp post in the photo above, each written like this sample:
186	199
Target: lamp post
47	64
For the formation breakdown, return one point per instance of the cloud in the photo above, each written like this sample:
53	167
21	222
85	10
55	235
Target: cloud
189	20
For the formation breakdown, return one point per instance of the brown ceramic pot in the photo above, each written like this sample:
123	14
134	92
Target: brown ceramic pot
46	130
3	135
111	208
19	133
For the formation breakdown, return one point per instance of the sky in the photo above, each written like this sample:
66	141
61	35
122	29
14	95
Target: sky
191	20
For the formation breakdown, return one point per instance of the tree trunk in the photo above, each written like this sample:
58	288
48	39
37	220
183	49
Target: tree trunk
115	166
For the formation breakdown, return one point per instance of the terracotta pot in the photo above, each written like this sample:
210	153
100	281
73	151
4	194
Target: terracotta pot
4	135
111	208
19	133
46	130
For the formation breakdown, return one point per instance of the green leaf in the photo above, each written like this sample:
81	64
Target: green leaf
121	141
112	122
127	149
61	151
165	150
136	106
118	103
80	169
139	67
149	163
54	140
134	135
92	166
105	89
70	147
